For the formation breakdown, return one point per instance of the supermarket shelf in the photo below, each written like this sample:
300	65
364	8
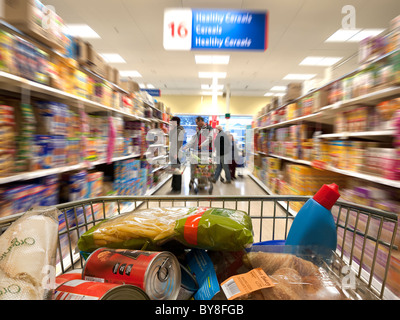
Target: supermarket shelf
159	168
13	83
364	176
345	135
329	110
296	120
308	163
376	179
47	172
373	96
283	204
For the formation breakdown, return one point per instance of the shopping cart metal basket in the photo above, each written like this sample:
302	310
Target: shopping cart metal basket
367	244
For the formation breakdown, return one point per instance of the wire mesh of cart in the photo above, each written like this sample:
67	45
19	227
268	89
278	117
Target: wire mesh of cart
202	169
366	248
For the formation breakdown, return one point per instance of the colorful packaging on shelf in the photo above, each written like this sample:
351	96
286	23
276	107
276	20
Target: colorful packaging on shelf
94	184
6	50
43	153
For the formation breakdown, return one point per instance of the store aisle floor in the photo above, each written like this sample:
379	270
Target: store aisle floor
273	228
243	185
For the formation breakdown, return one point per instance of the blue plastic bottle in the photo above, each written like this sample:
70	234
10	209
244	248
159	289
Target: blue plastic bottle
314	224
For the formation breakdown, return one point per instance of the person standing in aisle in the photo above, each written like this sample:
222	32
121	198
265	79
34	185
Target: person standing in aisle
203	136
176	137
224	155
201	142
235	155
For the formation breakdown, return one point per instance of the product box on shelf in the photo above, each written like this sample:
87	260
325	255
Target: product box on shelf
129	85
32	17
293	91
82	51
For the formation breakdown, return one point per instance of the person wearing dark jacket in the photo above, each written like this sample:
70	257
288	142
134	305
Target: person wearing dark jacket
176	137
223	149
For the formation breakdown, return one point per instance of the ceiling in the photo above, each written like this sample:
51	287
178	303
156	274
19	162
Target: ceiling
297	28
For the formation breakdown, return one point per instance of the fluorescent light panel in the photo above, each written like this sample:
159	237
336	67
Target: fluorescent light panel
299	76
320	61
82	31
363	34
112	58
278	88
353	35
210	93
130	73
220	75
208	59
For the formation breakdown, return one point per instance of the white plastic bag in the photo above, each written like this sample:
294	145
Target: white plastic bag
27	250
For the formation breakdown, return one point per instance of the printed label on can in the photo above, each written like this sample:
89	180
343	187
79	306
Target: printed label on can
83	290
115	265
157	273
75	274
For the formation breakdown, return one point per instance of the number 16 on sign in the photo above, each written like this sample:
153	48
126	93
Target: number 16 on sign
177	29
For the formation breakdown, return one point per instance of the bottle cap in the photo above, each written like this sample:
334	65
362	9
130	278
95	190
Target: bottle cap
327	195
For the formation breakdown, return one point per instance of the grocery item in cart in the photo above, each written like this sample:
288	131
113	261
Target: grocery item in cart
28	248
157	273
294	278
75	274
314	224
195	227
91	290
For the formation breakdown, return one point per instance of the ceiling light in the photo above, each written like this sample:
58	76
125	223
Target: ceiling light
269	94
130	74
211	93
150	86
142	86
219	75
210	87
363	34
112	58
280	94
207	59
278	88
299	76
320	61
342	35
353	35
82	31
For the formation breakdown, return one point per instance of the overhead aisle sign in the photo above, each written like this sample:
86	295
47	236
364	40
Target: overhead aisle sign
207	29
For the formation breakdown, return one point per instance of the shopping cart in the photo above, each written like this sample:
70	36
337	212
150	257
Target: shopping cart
366	237
202	171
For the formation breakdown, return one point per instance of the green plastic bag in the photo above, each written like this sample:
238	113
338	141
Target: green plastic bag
203	228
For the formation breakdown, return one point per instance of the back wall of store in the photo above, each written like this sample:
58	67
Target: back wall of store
203	104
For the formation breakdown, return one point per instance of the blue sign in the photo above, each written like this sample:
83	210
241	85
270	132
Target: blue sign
153	92
209	29
229	30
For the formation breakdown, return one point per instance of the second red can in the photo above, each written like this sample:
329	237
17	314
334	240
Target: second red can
157	273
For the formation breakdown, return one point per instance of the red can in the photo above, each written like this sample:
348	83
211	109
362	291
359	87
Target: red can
91	290
157	273
75	274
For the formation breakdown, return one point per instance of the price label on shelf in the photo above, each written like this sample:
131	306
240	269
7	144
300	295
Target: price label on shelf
178	29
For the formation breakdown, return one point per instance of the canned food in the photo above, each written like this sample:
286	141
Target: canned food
157	273
91	290
75	274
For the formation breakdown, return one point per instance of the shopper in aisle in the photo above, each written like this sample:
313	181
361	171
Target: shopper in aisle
176	138
203	137
223	150
235	155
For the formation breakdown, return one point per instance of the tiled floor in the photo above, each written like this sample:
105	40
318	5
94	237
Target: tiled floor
274	223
